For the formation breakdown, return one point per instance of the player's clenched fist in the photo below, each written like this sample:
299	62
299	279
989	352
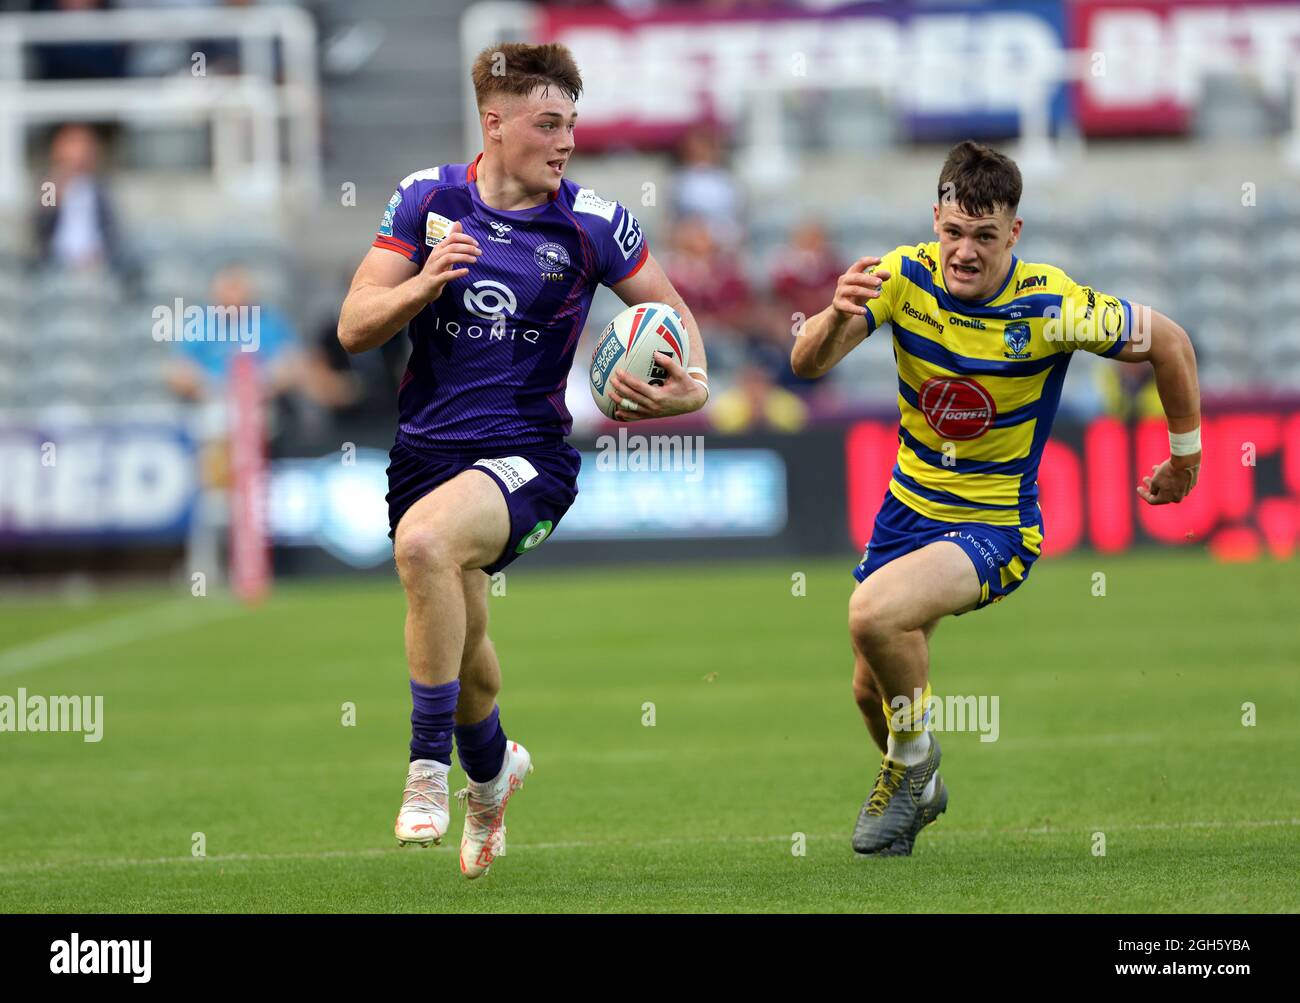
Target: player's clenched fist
1168	483
446	261
860	283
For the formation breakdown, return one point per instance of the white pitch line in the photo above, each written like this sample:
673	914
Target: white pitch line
603	844
113	632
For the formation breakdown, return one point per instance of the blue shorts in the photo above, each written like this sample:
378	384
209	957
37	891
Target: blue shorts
539	485
1001	558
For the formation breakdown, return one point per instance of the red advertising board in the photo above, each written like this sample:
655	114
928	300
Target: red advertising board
1150	58
1246	503
649	77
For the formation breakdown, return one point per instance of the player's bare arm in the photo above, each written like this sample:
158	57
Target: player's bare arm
841	327
1165	345
388	289
682	392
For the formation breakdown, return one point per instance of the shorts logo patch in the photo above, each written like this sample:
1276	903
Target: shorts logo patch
534	539
515	471
436	229
956	408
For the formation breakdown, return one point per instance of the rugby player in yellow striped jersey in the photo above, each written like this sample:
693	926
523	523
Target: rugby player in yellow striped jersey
982	341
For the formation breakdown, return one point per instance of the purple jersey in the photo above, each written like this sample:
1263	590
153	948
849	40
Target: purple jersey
490	356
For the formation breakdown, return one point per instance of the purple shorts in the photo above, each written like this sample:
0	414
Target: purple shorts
538	483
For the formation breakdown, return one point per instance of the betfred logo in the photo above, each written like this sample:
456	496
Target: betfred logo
956	408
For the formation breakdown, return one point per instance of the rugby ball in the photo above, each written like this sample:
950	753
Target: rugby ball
629	343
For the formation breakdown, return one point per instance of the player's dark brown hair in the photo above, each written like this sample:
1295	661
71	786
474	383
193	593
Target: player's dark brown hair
980	180
518	68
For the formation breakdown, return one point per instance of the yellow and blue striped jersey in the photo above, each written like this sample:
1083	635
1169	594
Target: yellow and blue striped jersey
979	382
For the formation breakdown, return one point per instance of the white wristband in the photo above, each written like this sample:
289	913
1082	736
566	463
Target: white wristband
702	380
1185	443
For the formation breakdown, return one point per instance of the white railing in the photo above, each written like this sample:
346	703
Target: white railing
244	111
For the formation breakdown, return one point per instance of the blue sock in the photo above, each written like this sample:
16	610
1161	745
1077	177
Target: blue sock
431	720
482	747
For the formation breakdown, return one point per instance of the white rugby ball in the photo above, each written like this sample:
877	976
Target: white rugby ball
629	343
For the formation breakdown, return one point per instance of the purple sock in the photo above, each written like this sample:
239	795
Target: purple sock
431	720
482	747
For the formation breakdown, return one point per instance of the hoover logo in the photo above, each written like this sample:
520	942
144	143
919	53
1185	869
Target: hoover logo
956	408
489	300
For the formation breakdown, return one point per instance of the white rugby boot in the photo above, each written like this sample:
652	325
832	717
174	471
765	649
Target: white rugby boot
424	815
484	838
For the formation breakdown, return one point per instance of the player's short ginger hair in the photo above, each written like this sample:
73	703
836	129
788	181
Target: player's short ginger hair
980	180
518	69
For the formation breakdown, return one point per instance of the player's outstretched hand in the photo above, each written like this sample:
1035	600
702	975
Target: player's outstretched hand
680	394
1168	483
446	261
858	285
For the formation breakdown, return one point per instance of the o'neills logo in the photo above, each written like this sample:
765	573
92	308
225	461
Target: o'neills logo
956	408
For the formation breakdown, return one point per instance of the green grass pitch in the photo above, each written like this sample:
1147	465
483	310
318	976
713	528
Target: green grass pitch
1119	715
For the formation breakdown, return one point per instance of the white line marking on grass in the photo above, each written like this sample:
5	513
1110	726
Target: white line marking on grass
374	851
137	625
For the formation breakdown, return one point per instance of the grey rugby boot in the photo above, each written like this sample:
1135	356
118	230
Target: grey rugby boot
893	808
937	805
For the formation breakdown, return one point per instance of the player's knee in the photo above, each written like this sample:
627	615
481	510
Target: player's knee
870	623
423	550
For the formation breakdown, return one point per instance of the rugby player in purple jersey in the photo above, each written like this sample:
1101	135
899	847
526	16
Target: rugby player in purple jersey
493	265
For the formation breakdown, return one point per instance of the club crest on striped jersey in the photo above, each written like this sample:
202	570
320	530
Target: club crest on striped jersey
551	257
1016	338
956	408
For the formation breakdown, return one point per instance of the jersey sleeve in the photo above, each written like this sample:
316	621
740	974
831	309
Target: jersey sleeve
1090	320
621	247
881	309
398	230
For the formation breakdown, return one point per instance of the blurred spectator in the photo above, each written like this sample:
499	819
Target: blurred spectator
770	341
755	402
79	229
703	186
1128	391
709	280
805	271
231	324
82	60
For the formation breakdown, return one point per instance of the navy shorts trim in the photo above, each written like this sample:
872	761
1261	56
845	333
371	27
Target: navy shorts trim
539	486
900	530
